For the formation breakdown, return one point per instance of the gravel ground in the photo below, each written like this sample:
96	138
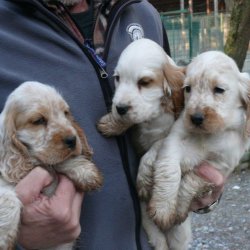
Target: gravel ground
228	226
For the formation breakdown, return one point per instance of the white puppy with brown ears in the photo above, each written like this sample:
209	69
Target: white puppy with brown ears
213	127
148	95
37	129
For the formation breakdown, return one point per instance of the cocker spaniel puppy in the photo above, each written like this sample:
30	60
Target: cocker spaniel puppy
148	96
37	129
213	127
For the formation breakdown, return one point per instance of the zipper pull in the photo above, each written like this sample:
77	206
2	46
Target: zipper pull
103	73
101	63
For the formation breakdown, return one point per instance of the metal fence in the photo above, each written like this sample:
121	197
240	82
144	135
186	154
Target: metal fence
190	34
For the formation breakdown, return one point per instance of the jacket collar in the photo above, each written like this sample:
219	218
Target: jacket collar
102	9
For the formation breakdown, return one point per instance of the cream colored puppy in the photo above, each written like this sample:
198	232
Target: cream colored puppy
148	96
37	129
213	127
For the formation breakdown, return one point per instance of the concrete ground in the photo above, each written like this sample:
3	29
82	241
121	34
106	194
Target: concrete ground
228	226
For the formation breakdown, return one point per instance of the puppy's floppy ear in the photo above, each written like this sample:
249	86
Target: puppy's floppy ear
86	149
173	86
10	138
15	160
245	95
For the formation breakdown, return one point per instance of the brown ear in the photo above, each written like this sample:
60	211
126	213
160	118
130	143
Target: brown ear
244	85
86	149
15	161
173	85
10	132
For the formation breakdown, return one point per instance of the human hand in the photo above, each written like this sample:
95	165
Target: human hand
48	221
212	175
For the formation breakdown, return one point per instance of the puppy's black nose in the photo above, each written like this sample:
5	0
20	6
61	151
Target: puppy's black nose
122	110
197	118
70	141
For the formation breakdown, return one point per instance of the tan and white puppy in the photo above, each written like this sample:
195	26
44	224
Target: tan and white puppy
37	129
213	127
148	96
148	93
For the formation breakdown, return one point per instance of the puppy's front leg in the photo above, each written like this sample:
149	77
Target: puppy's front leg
191	187
179	236
82	172
10	209
110	125
194	187
167	176
145	180
156	237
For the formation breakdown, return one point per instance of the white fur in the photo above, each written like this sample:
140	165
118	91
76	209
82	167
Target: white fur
220	140
145	60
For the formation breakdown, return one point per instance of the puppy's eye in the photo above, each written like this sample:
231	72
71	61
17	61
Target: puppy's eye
66	113
187	89
117	78
144	82
40	121
218	90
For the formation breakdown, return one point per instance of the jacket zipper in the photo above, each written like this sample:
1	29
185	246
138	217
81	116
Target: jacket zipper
107	92
121	140
92	56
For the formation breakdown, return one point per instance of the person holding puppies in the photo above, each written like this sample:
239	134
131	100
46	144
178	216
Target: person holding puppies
74	45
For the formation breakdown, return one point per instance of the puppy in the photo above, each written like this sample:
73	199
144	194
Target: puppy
213	127
148	94
148	97
37	129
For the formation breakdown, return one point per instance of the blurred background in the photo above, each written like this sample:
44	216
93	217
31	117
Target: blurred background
195	26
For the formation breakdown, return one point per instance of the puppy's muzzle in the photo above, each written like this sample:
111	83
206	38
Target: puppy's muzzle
70	142
197	118
122	110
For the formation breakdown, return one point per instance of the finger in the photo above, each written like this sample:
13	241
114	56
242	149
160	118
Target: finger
58	207
77	204
30	187
195	205
74	226
210	174
65	191
36	212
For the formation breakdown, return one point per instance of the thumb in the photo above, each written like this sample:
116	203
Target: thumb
30	187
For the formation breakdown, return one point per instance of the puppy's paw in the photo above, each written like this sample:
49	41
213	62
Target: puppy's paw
91	179
109	125
180	218
205	191
105	125
163	215
83	172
